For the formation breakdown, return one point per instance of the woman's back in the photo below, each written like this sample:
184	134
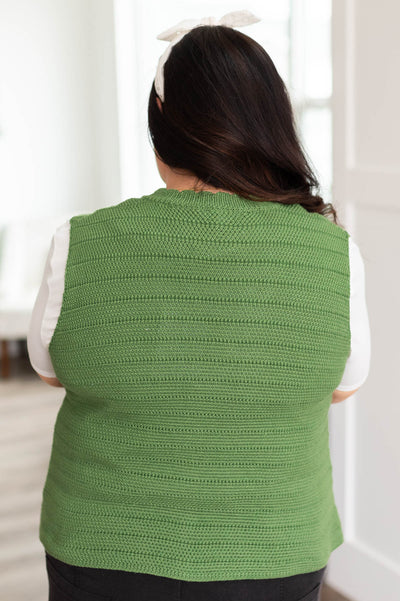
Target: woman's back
193	439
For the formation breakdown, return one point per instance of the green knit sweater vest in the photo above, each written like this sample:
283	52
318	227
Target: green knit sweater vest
200	339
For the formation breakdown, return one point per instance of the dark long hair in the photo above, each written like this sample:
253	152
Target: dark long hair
227	118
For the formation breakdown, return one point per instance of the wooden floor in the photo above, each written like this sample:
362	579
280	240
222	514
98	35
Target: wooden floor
28	409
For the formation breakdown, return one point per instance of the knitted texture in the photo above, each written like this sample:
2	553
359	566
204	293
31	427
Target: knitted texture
200	339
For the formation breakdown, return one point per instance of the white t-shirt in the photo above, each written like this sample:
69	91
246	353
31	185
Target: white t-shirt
49	299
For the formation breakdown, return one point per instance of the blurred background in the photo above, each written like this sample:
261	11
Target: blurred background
75	76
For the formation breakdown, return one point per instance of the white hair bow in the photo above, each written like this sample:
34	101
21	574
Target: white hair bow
238	18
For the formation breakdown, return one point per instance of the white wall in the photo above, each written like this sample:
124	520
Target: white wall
366	52
58	114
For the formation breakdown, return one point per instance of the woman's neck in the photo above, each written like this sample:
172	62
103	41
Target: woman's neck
186	182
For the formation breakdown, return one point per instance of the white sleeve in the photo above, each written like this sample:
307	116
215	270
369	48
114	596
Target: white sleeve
358	362
48	303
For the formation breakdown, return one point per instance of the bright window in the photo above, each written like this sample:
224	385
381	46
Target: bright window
310	83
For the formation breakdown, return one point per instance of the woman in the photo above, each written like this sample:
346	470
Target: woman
201	334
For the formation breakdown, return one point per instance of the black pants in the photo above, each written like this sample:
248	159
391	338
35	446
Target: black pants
74	583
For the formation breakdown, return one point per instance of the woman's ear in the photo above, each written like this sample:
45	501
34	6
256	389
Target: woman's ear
159	103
